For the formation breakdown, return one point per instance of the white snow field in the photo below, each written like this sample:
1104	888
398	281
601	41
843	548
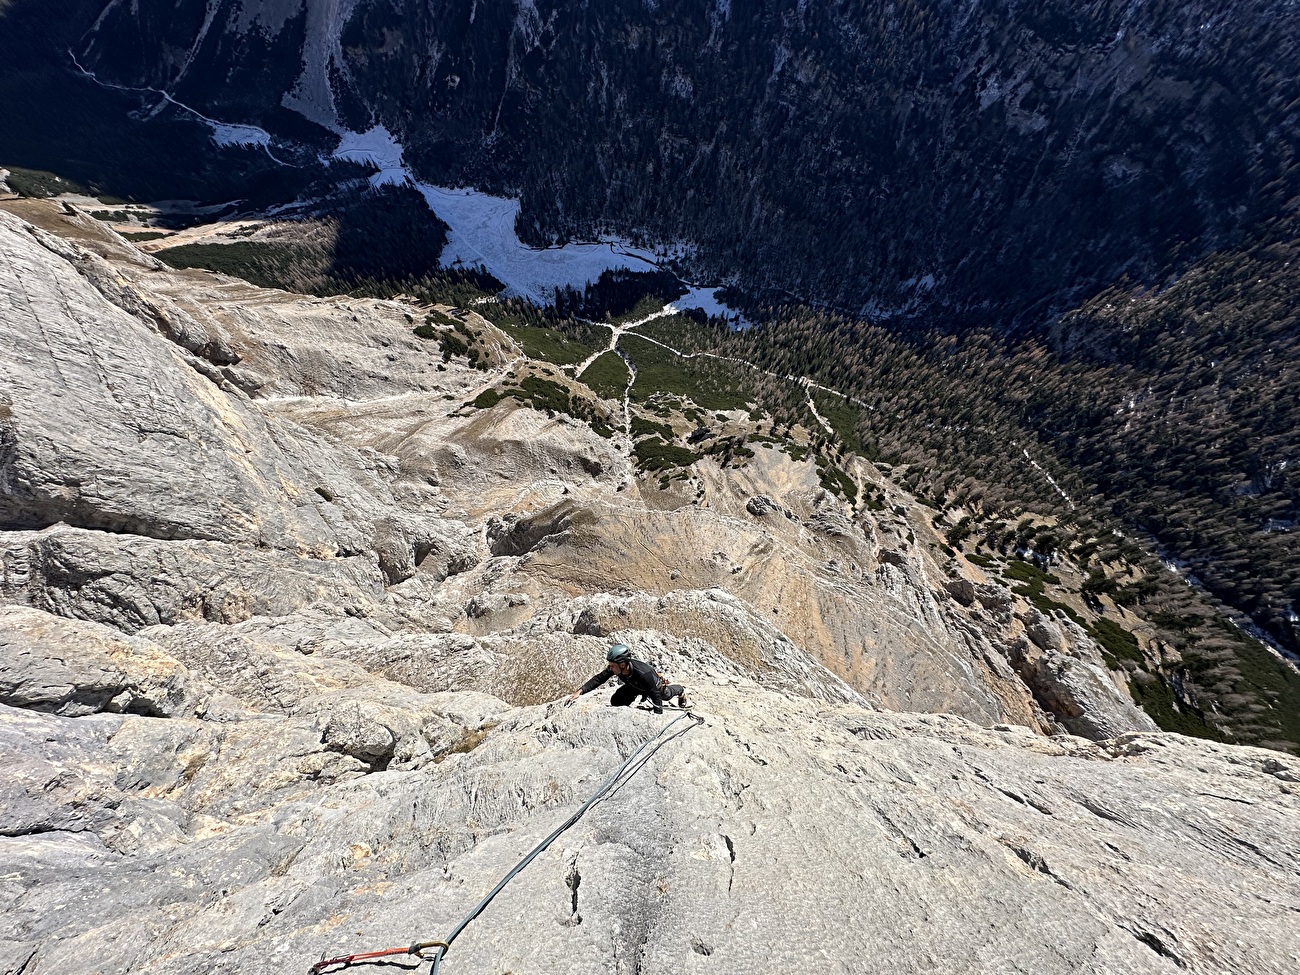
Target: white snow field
225	134
483	233
706	299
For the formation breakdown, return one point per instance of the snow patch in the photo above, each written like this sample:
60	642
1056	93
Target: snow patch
374	148
705	300
482	233
270	15
225	134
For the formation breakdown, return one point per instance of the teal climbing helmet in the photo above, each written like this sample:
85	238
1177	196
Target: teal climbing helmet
618	653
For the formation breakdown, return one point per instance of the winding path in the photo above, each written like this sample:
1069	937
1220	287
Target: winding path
809	385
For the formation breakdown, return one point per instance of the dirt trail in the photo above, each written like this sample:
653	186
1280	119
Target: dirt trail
615	331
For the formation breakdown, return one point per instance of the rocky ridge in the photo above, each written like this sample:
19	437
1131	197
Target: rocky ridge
283	618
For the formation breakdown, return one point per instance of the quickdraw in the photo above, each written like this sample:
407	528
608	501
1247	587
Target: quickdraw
416	950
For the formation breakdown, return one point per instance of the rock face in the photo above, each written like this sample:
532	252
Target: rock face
130	582
99	669
231	475
1065	670
282	680
784	831
202	466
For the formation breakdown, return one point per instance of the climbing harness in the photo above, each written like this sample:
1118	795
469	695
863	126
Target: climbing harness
609	786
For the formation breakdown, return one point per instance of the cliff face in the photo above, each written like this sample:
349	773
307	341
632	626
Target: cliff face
253	453
784	831
985	158
284	617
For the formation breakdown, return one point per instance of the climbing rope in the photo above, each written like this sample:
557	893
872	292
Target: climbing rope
613	783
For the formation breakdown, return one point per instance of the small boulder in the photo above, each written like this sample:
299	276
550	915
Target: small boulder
352	730
1045	634
962	590
588	624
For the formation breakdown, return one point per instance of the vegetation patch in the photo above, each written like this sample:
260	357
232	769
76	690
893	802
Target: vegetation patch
490	398
729	450
710	383
1034	580
959	532
263	264
546	344
435	317
835	480
1255	674
843	418
621	295
547	397
643	427
40	183
543	394
1117	643
543	333
684	332
1018	570
796	451
452	345
653	454
457	340
607	376
1154	696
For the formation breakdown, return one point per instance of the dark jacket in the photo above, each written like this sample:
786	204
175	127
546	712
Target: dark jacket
642	678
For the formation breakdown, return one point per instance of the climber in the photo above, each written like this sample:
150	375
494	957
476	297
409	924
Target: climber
638	678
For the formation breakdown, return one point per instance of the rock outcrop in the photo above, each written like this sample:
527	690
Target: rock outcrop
1064	669
280	651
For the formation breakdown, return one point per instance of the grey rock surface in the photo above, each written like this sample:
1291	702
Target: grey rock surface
784	831
131	582
165	453
71	668
1064	669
